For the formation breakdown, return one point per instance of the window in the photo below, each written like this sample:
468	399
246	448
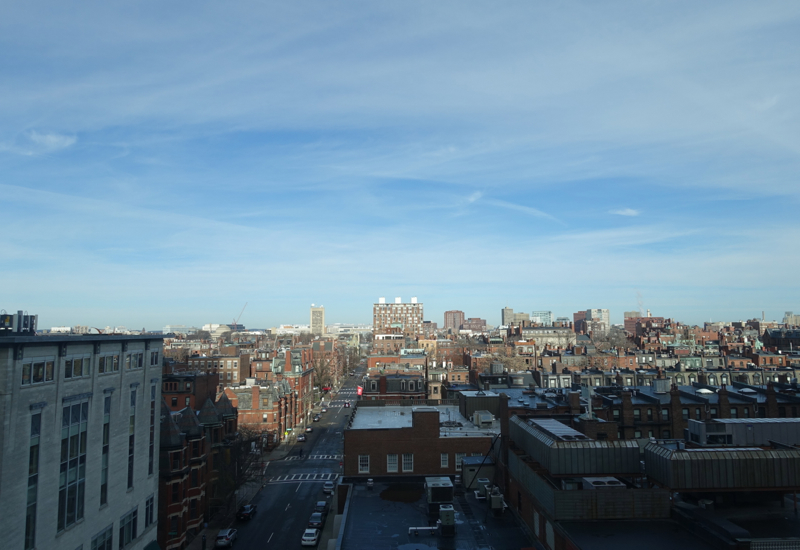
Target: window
734	412
76	367
174	401
436	389
649	415
667	434
391	463
615	414
108	363
33	482
152	448
408	462
154	358
104	457
459	456
713	412
131	438
444	460
148	511
363	464
637	414
685	414
747	412
104	540
637	434
697	413
74	420
664	414
38	372
127	528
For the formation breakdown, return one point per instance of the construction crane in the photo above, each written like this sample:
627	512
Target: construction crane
236	321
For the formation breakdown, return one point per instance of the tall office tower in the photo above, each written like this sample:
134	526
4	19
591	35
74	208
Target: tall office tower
397	316
453	319
543	318
79	440
317	320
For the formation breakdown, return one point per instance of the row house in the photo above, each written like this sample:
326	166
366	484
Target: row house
394	384
232	369
268	408
192	447
183	476
181	390
661	411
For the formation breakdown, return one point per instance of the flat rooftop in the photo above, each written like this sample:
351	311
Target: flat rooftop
381	517
452	424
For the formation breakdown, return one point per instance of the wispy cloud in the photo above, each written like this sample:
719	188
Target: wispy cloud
33	142
625	212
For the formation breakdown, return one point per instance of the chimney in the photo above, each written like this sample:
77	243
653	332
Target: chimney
574	402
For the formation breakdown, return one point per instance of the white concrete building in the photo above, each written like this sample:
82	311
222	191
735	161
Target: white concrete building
79	435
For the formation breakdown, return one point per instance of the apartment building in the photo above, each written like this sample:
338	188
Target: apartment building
405	317
453	320
79	429
317	320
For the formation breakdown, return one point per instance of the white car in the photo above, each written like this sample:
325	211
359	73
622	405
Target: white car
310	537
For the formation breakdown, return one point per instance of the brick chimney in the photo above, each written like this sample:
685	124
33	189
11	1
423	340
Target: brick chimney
574	402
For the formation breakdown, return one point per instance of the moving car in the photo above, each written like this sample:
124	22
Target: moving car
309	429
246	512
316	520
301	437
324	410
316	418
328	488
225	538
310	537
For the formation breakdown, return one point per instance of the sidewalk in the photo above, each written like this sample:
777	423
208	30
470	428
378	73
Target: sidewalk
249	491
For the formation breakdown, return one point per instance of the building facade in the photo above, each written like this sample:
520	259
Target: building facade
80	432
317	320
405	317
453	320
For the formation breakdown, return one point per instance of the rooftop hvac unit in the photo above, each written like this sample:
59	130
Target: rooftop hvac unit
590	483
483	486
447	514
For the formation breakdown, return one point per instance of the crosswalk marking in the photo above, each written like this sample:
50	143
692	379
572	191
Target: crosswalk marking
303	477
314	457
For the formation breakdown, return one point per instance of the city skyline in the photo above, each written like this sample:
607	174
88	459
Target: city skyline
165	166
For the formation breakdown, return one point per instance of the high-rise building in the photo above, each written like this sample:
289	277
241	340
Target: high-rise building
397	316
453	319
79	440
317	320
598	320
508	316
542	318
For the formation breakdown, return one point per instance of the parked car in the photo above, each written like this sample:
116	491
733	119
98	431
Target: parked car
246	512
327	488
321	507
316	520
301	437
310	537
316	418
310	429
225	538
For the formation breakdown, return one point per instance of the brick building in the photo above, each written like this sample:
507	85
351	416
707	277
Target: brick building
394	384
406	441
181	390
183	477
453	320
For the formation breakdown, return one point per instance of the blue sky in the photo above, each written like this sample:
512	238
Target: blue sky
168	162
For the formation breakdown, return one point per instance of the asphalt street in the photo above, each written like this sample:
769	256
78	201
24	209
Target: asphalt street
294	484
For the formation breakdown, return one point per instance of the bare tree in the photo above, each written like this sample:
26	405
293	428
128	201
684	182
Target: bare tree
615	338
238	464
